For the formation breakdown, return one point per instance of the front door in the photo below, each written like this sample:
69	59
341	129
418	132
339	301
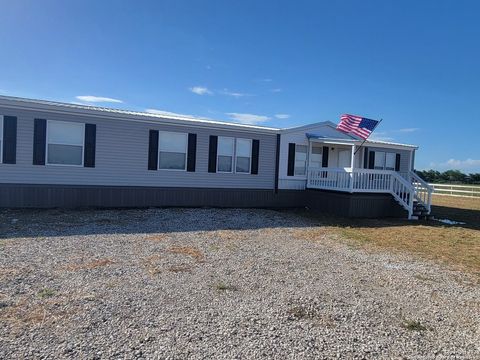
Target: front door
344	159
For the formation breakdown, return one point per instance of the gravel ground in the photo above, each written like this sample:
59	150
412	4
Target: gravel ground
219	284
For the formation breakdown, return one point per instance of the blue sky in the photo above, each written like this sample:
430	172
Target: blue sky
274	63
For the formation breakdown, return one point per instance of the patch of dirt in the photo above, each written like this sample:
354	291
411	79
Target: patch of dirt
188	251
89	265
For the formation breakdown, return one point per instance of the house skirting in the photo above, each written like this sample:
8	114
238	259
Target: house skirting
82	196
78	196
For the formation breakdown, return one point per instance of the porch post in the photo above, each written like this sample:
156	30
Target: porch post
352	163
309	156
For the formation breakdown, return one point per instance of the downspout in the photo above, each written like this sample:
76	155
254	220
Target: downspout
352	165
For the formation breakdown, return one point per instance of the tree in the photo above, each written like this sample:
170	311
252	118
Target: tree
449	176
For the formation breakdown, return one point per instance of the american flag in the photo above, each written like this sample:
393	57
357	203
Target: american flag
357	125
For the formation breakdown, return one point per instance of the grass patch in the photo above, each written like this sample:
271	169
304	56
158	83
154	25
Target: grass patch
457	202
225	287
414	325
454	245
151	264
298	312
46	293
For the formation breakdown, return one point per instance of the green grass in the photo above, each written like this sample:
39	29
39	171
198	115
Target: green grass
46	293
225	287
414	325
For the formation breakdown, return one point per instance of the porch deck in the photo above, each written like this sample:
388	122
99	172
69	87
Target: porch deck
409	190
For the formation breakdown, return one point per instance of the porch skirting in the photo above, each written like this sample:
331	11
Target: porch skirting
82	196
357	205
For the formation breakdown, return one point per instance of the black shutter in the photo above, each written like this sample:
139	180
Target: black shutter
9	140
192	152
212	154
371	160
39	141
153	150
277	163
325	156
397	162
255	153
90	145
365	158
291	159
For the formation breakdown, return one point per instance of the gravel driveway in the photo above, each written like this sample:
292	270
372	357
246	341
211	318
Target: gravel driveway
226	284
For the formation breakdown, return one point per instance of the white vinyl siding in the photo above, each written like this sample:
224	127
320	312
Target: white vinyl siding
122	156
172	150
300	160
243	156
65	142
1	138
225	153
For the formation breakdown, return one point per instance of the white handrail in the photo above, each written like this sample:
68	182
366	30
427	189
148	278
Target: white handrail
403	192
423	191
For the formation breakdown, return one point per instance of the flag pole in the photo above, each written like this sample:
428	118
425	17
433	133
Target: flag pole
378	123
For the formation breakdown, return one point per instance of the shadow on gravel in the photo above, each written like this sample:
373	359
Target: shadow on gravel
19	223
469	219
67	222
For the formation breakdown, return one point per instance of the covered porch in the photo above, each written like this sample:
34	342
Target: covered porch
348	166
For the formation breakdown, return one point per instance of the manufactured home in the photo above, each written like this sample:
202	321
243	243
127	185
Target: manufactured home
66	155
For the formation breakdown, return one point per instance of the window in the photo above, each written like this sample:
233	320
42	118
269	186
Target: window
225	154
379	160
385	160
1	138
390	161
316	157
172	151
65	141
243	155
300	159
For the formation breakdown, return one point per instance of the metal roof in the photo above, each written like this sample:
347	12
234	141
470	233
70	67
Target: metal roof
55	106
104	112
358	141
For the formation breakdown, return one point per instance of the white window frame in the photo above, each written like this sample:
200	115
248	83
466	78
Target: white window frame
59	143
186	150
233	154
295	161
250	157
1	139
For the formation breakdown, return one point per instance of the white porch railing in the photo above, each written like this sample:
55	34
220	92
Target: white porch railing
405	191
423	191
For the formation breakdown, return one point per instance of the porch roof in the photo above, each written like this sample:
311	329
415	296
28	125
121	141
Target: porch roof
327	140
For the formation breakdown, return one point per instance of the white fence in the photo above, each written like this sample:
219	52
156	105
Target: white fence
456	190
